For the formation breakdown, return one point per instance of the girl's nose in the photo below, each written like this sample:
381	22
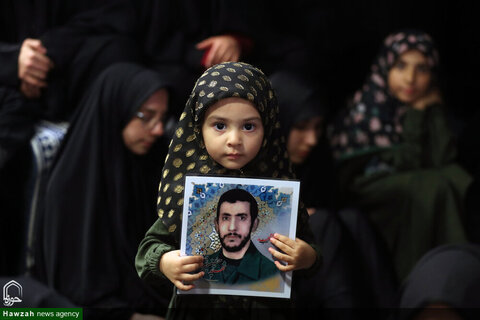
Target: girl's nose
410	75
234	138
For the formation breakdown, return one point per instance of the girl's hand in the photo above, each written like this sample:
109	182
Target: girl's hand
432	97
298	254
178	269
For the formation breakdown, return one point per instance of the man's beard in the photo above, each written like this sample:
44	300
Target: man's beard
236	248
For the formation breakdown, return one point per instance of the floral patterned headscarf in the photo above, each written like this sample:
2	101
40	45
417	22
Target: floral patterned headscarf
373	119
187	153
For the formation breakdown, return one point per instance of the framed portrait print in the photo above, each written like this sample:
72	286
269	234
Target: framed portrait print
229	221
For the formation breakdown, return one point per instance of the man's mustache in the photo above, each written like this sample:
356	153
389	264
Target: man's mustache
232	234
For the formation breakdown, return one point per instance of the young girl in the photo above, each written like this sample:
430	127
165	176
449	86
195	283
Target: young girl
396	152
229	127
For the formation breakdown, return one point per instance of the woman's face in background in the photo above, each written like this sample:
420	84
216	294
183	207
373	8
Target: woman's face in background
410	77
148	124
303	137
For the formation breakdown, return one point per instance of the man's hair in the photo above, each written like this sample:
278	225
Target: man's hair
234	195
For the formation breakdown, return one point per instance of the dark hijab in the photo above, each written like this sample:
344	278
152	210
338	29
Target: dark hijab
100	199
373	119
170	29
300	99
450	275
187	153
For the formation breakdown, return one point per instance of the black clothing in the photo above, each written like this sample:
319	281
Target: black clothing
355	272
81	39
187	154
469	158
100	200
36	294
299	100
74	34
168	31
449	274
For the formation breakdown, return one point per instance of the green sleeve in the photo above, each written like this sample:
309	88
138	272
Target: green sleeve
405	156
440	145
427	141
408	155
157	241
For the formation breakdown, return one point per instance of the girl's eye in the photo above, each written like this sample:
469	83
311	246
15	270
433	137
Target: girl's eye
399	65
248	126
219	126
423	68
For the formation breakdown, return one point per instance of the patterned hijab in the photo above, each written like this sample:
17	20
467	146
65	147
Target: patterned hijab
187	153
373	120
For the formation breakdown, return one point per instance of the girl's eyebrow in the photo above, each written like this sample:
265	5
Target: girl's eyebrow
217	118
253	118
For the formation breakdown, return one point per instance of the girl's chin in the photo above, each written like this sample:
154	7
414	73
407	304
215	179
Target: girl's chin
232	166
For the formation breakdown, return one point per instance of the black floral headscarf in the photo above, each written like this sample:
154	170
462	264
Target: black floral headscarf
187	153
373	118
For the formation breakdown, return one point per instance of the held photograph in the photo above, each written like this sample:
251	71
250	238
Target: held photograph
229	221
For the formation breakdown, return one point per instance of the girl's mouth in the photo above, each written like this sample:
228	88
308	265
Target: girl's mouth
233	156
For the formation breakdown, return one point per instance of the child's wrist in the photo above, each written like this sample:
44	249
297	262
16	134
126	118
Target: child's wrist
311	258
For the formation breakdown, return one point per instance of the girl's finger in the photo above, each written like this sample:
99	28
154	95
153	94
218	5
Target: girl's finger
282	267
289	242
186	277
191	267
185	287
282	246
191	260
280	256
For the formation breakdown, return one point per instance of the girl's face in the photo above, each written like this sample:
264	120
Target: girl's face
303	137
410	77
232	132
147	125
